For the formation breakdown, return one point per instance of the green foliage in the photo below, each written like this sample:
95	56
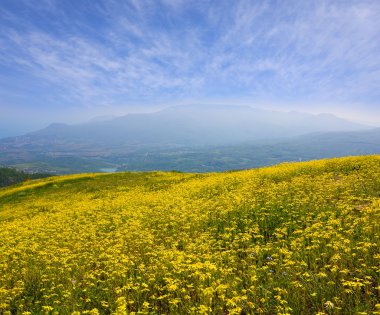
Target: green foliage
10	176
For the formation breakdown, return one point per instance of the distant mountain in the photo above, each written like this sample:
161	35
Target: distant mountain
188	125
102	118
155	140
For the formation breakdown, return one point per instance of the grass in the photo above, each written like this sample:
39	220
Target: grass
297	238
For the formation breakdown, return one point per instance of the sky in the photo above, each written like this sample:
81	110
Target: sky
68	61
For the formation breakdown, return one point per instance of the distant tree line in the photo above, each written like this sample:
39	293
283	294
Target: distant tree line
10	176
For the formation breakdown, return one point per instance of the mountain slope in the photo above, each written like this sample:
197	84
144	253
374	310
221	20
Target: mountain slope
294	238
110	143
184	125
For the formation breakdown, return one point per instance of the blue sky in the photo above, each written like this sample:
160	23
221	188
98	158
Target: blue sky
71	60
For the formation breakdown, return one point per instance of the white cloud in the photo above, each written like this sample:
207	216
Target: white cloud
327	50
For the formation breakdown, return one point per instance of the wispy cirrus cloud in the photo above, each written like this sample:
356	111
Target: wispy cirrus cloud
120	52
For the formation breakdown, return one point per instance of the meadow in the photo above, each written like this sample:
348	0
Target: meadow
296	238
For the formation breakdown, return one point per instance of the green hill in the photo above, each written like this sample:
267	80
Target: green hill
10	176
297	238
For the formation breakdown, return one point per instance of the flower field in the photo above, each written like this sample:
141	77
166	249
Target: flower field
297	238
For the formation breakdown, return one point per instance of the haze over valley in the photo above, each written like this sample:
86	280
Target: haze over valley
195	138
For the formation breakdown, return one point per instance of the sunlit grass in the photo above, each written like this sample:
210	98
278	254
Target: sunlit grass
298	238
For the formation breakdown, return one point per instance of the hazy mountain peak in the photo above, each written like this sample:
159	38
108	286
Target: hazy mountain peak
57	126
194	125
102	118
208	107
326	115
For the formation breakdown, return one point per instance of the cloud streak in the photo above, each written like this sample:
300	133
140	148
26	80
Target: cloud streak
116	52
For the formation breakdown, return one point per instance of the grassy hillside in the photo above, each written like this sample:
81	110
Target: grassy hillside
300	238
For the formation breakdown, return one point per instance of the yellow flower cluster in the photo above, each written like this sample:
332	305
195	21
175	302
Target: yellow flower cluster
297	238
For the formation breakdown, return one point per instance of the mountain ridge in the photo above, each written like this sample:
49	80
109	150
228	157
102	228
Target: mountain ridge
199	125
187	138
